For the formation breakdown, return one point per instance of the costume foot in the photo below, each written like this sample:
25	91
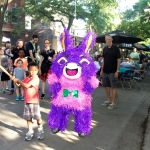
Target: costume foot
81	134
55	130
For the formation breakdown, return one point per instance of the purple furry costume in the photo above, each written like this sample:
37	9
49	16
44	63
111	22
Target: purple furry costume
72	80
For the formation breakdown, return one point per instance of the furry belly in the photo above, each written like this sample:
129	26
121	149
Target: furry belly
83	101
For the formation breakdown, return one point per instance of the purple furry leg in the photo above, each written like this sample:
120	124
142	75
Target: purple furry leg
58	118
83	121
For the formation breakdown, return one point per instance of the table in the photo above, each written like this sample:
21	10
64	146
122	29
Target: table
122	69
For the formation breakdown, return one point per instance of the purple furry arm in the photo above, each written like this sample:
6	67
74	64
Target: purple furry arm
88	88
55	88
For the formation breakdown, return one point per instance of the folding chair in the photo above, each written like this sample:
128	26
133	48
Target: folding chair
139	78
126	79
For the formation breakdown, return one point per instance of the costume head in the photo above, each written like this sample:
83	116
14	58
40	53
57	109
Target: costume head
75	62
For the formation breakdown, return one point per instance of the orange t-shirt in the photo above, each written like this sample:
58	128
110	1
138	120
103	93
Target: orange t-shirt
31	94
25	62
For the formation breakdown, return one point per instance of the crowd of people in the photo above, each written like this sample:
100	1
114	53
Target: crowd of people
16	61
28	64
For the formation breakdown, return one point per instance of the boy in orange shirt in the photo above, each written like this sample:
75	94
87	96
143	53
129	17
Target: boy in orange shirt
31	98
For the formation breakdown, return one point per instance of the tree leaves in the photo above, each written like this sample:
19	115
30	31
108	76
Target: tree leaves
135	22
97	13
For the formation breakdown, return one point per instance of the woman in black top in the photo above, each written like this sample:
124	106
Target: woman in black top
46	58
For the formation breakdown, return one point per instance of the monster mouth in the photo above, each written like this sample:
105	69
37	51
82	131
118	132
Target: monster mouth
71	72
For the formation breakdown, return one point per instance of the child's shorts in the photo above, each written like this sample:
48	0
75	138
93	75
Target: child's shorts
31	111
4	76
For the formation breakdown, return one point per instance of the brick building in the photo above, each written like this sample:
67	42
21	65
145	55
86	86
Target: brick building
8	25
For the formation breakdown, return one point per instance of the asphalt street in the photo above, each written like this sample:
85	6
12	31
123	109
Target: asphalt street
123	128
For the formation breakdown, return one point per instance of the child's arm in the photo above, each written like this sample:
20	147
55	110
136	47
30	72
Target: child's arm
14	74
9	64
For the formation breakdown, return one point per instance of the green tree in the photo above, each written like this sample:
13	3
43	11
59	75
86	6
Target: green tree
97	13
3	7
136	21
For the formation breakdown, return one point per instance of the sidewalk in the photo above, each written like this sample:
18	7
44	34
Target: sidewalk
117	129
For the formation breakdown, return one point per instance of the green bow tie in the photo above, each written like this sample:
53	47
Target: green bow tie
74	93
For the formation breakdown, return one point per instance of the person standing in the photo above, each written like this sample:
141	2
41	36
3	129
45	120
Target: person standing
134	56
31	48
20	73
5	63
142	56
110	70
31	98
7	50
14	55
46	58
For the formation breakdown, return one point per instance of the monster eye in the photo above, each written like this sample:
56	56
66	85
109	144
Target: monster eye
84	62
62	61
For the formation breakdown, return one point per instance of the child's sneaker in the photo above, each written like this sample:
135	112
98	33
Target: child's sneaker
7	90
17	98
40	134
29	135
2	90
22	98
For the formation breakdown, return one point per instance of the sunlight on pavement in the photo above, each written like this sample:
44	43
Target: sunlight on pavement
99	148
44	147
94	123
45	110
95	113
11	136
2	98
7	116
69	136
12	103
72	136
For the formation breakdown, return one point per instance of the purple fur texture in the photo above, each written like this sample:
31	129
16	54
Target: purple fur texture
68	39
55	88
88	88
59	116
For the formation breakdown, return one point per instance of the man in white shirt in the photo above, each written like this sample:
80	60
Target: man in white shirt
126	63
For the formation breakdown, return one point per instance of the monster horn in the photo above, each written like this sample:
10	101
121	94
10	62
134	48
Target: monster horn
63	41
88	43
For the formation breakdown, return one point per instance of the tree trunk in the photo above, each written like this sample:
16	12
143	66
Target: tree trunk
2	15
71	18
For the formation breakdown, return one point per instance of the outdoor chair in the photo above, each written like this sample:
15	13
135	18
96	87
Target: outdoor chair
126	79
138	78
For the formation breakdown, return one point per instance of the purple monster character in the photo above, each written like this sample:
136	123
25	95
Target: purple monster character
72	81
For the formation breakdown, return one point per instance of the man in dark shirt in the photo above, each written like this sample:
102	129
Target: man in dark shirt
110	70
142	55
31	48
